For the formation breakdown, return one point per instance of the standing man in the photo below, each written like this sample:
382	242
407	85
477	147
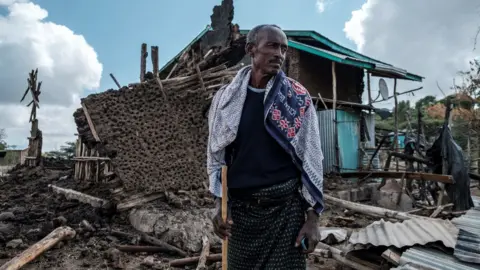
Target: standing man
264	127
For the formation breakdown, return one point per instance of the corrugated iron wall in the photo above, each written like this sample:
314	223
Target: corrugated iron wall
348	127
327	135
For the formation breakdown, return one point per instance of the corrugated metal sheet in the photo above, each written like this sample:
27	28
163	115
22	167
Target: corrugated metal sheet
370	122
468	241
327	135
406	233
470	221
433	259
468	247
348	126
348	139
476	201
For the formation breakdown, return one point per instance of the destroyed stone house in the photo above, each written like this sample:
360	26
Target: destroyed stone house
309	60
152	135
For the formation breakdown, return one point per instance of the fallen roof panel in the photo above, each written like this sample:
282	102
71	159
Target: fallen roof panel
433	259
407	233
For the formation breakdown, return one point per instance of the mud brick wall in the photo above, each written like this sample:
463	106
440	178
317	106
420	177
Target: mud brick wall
154	145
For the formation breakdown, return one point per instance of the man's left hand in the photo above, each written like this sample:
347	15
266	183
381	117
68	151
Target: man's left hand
309	231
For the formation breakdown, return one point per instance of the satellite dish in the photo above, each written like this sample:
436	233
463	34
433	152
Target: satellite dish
383	88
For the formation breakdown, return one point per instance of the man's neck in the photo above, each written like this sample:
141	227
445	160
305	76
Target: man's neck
259	79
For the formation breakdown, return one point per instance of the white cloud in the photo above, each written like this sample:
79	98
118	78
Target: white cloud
431	38
321	5
67	65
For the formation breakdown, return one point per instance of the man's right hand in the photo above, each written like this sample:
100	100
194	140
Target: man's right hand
221	228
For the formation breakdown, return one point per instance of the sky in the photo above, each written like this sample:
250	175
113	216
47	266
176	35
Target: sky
76	44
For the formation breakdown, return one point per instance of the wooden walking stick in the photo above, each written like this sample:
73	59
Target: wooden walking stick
224	216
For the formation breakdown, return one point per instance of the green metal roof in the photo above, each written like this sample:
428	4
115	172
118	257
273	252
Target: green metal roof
338	54
175	58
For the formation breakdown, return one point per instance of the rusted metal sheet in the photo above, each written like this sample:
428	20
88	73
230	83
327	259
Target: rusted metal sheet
409	175
407	233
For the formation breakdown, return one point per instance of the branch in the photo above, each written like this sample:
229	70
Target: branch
476	38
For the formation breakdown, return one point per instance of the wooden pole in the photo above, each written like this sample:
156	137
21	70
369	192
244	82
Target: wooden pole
143	62
334	88
373	211
192	260
35	250
369	89
202	262
154	52
224	216
395	141
115	81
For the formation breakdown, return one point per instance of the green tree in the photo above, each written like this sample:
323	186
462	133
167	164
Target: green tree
66	151
425	101
3	136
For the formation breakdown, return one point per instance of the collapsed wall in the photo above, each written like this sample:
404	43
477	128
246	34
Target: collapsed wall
156	138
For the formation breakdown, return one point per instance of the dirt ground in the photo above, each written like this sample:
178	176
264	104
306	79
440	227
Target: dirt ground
29	211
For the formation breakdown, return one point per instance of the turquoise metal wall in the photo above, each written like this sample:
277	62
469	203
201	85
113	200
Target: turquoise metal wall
348	128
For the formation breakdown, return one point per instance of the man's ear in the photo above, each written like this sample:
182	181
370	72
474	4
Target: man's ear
249	49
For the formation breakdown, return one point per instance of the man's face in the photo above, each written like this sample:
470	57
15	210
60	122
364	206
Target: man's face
270	51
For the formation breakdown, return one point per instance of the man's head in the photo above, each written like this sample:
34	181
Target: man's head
267	46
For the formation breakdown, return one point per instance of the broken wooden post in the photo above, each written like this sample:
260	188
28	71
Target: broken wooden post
40	247
335	131
115	81
143	62
159	243
139	249
369	210
202	262
154	56
369	89
395	98
193	260
71	194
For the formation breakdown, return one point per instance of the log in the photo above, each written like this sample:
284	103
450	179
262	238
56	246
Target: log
71	194
202	262
159	243
135	201
143	62
90	123
193	260
115	81
370	210
138	249
40	247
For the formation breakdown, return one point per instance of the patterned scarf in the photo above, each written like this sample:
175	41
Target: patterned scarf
290	118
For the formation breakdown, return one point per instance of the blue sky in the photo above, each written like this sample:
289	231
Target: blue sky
116	28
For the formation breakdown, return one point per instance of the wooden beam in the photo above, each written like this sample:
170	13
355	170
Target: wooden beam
334	89
154	56
115	81
71	194
38	248
369	210
447	179
90	123
143	62
369	89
